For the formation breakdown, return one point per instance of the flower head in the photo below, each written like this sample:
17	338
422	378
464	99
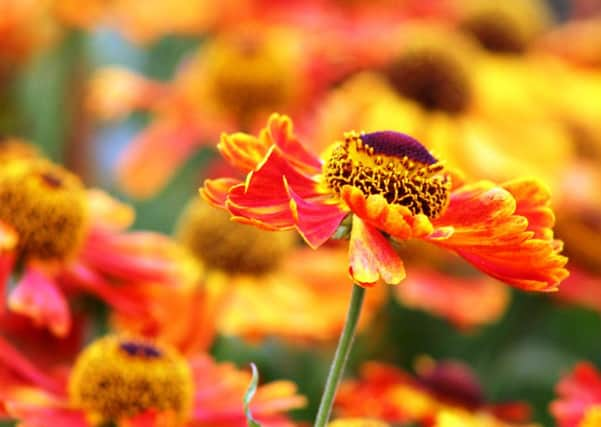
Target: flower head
385	187
133	381
70	240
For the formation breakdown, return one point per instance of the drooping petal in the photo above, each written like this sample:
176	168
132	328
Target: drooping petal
372	257
244	151
466	302
316	221
533	202
489	234
37	296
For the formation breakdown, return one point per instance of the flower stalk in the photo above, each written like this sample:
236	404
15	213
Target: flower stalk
341	356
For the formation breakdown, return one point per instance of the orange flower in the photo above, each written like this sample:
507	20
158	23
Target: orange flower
390	394
390	184
135	382
71	240
579	398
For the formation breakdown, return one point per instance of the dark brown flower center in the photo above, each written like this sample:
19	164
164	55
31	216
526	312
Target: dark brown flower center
393	165
496	31
432	77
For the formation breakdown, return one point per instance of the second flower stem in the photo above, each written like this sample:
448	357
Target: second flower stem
340	358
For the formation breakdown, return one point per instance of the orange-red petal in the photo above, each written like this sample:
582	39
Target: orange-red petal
395	220
282	133
215	191
491	235
316	220
37	296
371	257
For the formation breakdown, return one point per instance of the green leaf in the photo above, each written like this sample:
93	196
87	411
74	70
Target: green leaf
250	392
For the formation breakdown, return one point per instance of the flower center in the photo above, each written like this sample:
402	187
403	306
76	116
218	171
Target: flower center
393	165
115	378
434	78
226	245
496	31
249	75
46	205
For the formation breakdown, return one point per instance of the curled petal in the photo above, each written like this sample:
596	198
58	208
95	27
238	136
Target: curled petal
38	297
215	191
281	131
395	220
533	202
242	150
264	199
372	257
490	234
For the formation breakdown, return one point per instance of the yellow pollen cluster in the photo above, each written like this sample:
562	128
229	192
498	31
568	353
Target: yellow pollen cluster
249	75
115	378
228	246
46	205
420	186
433	77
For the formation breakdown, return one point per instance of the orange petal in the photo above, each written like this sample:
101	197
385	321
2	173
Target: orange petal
155	155
533	202
372	257
395	220
281	131
242	150
108	212
264	198
489	234
38	297
215	191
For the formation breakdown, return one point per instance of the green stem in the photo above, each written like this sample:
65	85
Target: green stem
342	352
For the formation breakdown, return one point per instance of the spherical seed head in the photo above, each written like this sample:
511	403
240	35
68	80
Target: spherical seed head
393	165
115	378
47	207
228	246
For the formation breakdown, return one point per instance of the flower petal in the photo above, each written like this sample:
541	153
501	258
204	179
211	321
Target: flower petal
244	151
215	191
316	221
395	220
152	158
533	202
281	131
372	257
491	236
264	198
37	296
8	243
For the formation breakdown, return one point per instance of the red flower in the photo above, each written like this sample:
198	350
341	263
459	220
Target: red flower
386	187
579	397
